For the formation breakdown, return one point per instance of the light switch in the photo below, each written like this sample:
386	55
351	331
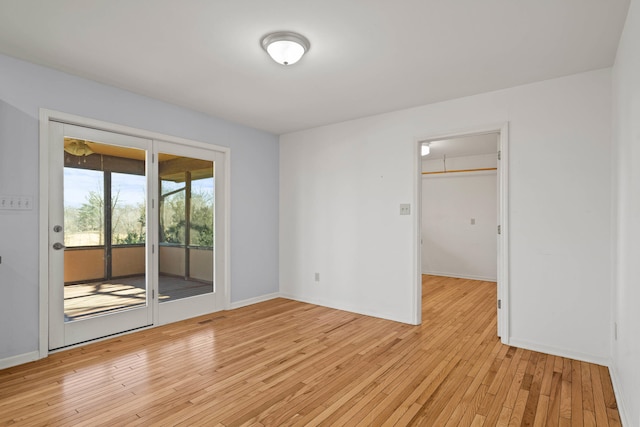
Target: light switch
473	221
16	203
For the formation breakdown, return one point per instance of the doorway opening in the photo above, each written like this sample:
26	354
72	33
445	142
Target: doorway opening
462	220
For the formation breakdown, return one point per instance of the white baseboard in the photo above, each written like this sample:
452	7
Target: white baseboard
617	391
19	359
562	352
349	308
461	276
254	300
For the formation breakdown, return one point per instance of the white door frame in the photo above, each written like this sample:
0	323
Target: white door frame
503	220
47	116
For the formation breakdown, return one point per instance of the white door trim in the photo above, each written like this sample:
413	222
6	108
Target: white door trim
504	315
47	116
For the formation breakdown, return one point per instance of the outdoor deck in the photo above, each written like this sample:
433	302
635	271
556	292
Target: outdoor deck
89	299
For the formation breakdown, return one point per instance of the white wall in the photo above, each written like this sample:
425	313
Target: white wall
626	107
24	88
341	186
451	245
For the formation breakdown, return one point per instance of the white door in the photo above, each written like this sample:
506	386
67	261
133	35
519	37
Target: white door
191	232
100	256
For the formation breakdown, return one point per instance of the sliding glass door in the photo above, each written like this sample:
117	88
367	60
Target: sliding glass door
189	230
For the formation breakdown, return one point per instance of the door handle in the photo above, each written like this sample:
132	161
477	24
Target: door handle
57	246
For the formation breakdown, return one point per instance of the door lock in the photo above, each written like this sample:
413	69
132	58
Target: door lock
57	246
57	228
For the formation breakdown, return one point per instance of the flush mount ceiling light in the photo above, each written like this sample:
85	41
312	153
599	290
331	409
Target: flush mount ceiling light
425	149
285	47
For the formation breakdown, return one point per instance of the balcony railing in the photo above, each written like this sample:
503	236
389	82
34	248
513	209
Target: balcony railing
87	263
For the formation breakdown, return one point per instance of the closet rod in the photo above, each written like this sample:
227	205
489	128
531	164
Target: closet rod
461	170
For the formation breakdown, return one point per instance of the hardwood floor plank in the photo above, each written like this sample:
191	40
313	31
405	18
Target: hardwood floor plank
478	421
576	395
516	384
467	412
587	388
553	413
504	417
540	418
565	391
589	419
598	397
518	408
607	389
614	418
286	363
493	408
534	390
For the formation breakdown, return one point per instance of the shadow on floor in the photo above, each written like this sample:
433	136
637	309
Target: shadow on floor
90	299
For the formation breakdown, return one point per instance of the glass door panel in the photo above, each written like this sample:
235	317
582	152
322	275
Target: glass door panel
186	229
104	223
191	231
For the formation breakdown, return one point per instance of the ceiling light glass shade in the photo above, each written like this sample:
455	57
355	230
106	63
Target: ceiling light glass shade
285	47
425	149
78	148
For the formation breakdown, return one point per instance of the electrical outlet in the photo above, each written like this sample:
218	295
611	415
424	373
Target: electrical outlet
473	221
405	209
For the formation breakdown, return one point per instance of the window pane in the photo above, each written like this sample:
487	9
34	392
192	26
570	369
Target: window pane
83	207
172	218
202	192
128	217
104	201
186	227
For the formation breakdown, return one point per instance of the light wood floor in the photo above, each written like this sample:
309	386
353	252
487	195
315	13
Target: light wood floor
287	363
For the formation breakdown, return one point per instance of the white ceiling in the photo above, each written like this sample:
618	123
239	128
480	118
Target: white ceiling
366	56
